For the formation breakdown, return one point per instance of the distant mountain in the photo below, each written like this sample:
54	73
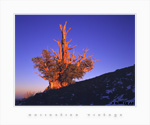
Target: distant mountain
114	88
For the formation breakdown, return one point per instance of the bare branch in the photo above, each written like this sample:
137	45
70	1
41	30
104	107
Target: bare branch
64	69
68	54
60	48
65	26
56	41
70	48
79	56
82	57
69	41
61	27
96	60
90	67
55	53
87	69
41	76
72	58
68	29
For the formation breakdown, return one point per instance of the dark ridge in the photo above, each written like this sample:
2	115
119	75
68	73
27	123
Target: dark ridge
114	88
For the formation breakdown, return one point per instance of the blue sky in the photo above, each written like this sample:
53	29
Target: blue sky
110	38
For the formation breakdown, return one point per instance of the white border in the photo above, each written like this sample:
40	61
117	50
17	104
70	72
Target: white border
131	115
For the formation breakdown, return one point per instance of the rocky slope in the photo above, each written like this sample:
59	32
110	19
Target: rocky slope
114	88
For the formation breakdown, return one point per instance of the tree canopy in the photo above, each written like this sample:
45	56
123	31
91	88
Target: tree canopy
61	69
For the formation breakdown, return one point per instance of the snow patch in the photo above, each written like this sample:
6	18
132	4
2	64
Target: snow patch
119	98
129	74
128	87
131	100
110	90
120	82
105	97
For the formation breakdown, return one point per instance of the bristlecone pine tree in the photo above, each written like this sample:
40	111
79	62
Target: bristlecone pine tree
61	69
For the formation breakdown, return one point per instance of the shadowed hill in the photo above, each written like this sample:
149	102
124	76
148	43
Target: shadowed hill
114	88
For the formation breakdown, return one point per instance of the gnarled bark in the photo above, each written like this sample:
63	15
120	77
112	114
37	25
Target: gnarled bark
67	58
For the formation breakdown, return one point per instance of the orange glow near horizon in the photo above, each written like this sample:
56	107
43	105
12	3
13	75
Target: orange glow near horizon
20	91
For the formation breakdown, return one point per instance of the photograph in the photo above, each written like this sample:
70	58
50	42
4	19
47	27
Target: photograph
74	60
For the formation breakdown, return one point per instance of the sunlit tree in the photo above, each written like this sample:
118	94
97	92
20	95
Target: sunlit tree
61	69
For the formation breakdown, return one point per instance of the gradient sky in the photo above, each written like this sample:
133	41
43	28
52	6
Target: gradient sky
111	38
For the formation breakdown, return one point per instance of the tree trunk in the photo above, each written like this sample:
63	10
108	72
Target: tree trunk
53	85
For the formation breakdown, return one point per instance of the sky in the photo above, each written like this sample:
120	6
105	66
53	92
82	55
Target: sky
110	38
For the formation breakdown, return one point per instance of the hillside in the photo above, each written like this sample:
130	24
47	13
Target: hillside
114	88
